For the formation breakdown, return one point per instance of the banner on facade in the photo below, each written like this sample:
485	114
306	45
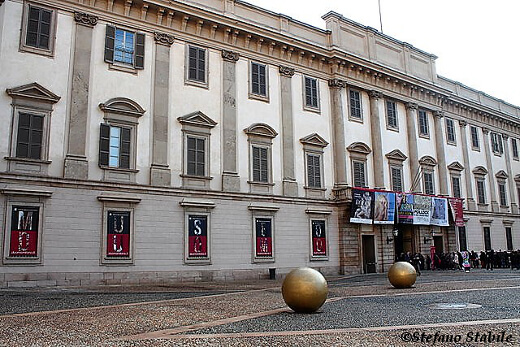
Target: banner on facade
404	208
439	214
24	231
457	211
264	237
422	209
319	238
362	204
197	236
384	208
118	234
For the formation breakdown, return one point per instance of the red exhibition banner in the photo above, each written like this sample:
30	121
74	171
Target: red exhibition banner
457	211
319	239
264	237
24	231
198	236
118	234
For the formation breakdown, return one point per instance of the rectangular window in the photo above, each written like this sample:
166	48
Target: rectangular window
258	79
124	47
428	183
39	28
196	156
455	185
319	238
463	243
114	146
397	179
475	144
197	64
514	146
355	104
496	143
487	238
314	170
311	92
509	238
502	193
359	174
450	131
260	164
481	191
391	114
29	136
423	123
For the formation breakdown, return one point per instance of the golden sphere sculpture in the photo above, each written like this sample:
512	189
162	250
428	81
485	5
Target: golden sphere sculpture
402	275
304	290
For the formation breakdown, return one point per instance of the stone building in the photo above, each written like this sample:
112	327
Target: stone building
156	141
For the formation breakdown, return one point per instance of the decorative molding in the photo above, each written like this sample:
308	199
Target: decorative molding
480	171
438	114
198	119
411	106
314	140
123	106
230	56
375	94
261	129
359	147
427	161
33	91
396	155
19	191
485	131
505	137
455	166
286	71
197	203
318	211
263	207
131	199
163	38
85	19
502	175
337	83
462	123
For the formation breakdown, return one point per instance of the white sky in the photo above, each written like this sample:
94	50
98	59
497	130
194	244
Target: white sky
477	42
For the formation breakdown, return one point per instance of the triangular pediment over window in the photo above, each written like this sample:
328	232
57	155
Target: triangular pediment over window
396	155
33	91
261	129
502	175
427	161
314	140
455	166
359	147
197	119
480	171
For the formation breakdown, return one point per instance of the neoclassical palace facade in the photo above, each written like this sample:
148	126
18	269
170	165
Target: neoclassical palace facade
157	141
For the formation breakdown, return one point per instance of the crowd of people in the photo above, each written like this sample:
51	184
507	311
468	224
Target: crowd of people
463	260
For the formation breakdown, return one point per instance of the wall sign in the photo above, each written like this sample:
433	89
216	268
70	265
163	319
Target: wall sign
197	236
118	234
24	231
264	237
319	238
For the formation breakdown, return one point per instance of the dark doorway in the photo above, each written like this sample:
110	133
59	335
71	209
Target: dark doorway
438	242
369	254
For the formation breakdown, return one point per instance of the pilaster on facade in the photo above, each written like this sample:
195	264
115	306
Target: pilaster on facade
76	164
441	156
411	116
489	164
511	185
290	186
377	144
470	200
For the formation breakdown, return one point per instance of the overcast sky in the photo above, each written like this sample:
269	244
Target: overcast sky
477	42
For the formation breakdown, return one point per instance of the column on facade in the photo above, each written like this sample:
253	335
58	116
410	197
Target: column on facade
76	165
377	145
160	173
290	187
338	132
441	155
511	184
490	175
230	177
411	116
467	172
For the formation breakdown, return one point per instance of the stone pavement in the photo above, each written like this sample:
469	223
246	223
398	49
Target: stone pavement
444	308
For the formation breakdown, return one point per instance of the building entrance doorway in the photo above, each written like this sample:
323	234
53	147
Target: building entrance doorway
405	240
439	244
369	254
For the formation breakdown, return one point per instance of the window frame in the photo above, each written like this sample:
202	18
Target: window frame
428	184
23	46
363	164
451	136
319	157
316	89
486	233
204	83
196	207
252	93
502	193
509	237
389	110
423	123
398	168
138	53
355	112
260	135
475	140
456	189
480	185
514	149
497	147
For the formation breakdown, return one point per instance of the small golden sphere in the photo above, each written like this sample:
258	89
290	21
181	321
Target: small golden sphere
304	290
402	274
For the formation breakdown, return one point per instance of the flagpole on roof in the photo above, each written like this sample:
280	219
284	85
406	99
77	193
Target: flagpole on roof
380	18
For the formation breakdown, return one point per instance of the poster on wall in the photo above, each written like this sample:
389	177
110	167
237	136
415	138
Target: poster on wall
118	234
439	212
264	237
319	238
457	211
422	209
197	236
404	208
361	211
384	208
24	231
